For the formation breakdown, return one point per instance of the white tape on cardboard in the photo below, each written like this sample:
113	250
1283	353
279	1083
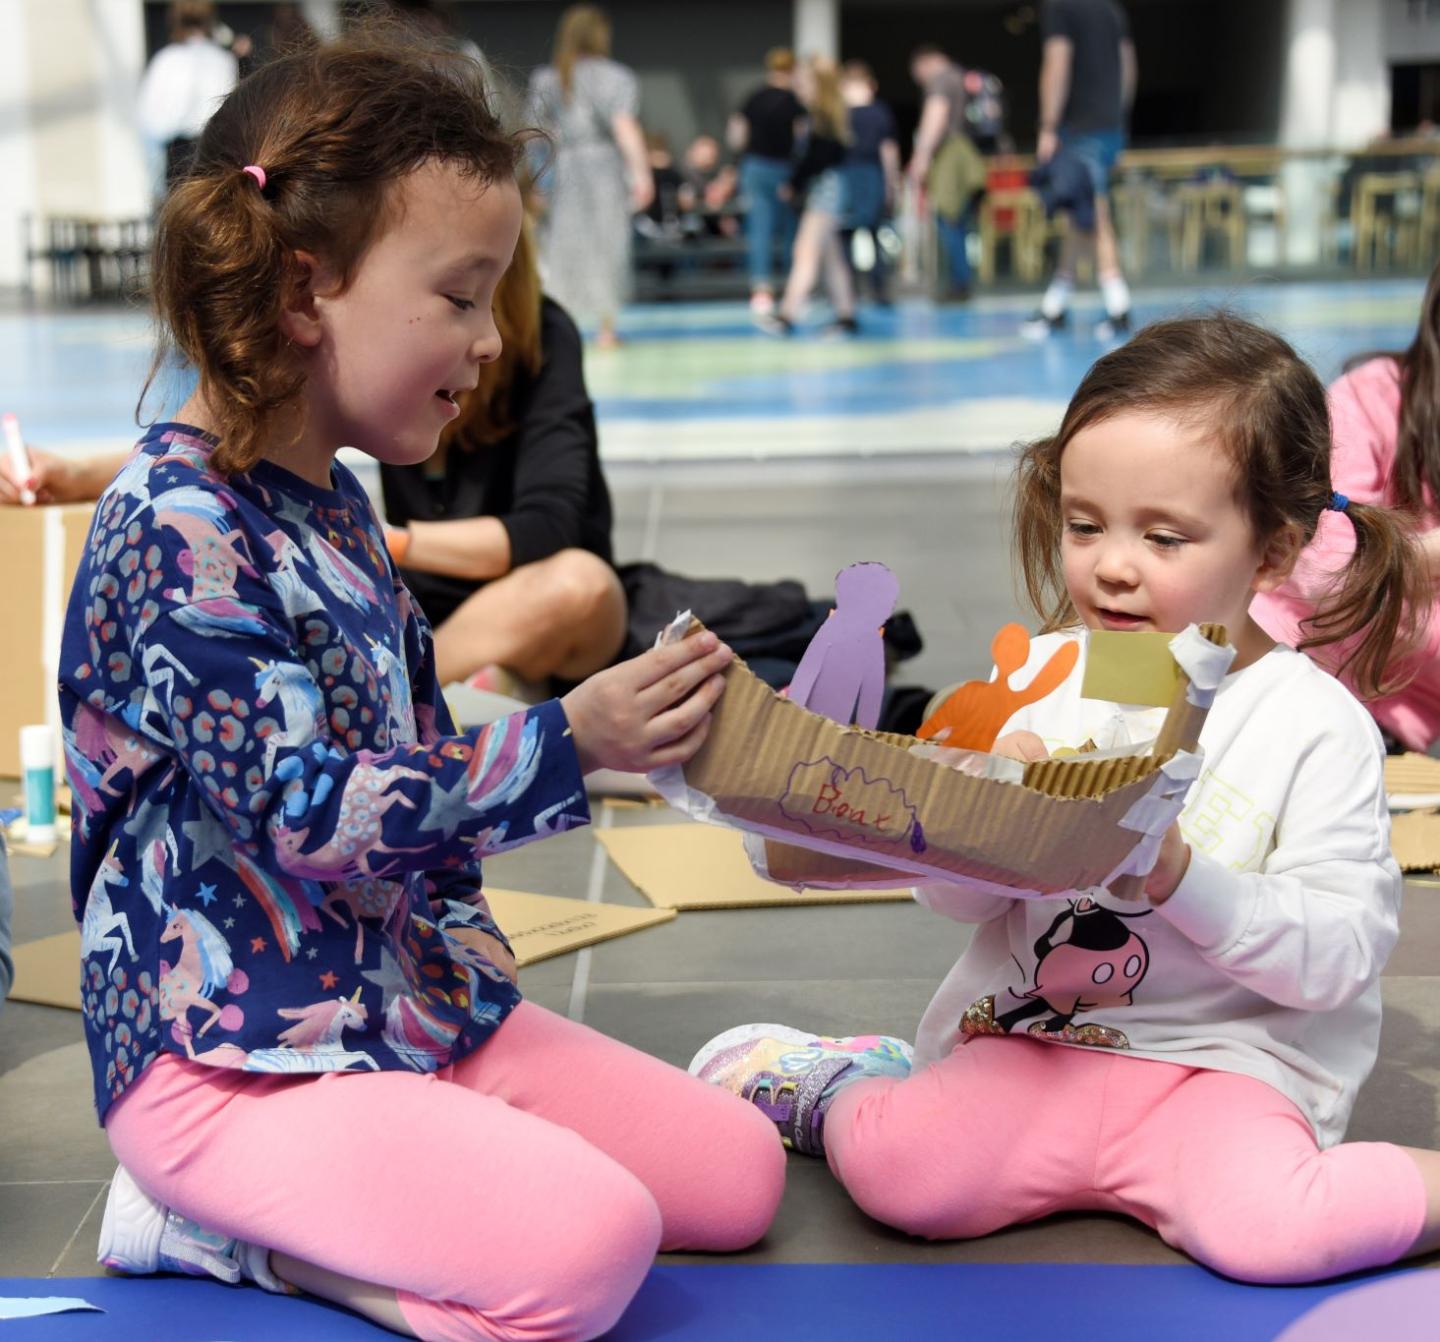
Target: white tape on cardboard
1156	811
1205	664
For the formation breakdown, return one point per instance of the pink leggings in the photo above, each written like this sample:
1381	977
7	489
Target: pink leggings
1223	1166
521	1193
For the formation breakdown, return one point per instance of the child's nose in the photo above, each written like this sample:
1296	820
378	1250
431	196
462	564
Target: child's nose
1115	565
487	346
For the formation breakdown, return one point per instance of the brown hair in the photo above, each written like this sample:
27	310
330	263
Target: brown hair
334	127
487	414
780	61
583	30
1267	409
826	104
1417	444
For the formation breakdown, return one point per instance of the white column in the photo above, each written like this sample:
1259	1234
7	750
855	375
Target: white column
69	142
817	28
17	149
323	16
1361	108
1305	122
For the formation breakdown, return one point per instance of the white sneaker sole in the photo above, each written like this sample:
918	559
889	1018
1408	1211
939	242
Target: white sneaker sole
131	1227
740	1034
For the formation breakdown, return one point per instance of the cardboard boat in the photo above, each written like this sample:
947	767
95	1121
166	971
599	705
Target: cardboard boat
843	806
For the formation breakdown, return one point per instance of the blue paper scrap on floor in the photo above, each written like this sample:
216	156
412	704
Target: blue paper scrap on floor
1013	1302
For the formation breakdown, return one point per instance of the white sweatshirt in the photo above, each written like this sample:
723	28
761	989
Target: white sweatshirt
1266	959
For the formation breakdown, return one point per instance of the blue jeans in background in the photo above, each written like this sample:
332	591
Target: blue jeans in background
768	219
954	238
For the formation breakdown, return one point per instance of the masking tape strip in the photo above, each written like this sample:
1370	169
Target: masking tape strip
1154	813
1205	664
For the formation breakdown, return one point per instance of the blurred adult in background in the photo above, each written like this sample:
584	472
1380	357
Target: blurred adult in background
762	132
1385	425
600	174
872	174
183	84
709	186
817	185
945	163
506	529
1087	87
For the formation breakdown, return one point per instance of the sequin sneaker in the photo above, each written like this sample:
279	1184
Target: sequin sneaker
791	1076
140	1235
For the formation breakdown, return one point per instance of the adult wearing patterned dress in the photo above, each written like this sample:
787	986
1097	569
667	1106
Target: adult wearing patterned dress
599	173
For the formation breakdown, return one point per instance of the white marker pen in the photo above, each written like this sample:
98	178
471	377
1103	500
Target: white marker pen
19	457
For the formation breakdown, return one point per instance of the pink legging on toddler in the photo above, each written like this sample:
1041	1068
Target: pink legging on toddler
1224	1167
521	1193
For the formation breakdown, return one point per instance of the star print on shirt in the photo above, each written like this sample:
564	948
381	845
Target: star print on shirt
206	895
387	978
310	953
229	923
447	808
257	944
208	840
239	901
328	980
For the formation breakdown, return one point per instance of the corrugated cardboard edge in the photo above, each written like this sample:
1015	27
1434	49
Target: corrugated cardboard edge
1415	840
1411	773
758	741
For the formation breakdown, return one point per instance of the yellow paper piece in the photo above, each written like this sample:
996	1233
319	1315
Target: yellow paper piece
1130	668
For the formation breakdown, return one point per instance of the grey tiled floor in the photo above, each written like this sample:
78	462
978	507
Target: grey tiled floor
849	968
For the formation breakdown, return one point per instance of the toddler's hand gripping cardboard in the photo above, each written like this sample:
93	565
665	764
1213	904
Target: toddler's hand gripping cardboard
848	807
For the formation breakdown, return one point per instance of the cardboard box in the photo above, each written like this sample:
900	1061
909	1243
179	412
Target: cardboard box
42	548
849	806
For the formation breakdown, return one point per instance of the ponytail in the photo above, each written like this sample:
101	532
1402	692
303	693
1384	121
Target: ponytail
1380	597
221	276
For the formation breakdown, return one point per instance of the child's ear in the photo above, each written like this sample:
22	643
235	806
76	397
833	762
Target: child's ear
301	311
1278	558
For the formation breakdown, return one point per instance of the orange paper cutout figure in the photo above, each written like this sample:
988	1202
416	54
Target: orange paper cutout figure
971	718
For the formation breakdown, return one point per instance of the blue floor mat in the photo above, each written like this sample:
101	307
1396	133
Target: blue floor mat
1013	1302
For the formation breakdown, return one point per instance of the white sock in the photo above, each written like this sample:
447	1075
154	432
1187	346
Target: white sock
1057	297
1116	294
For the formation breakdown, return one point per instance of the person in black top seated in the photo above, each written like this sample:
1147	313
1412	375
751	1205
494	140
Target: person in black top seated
762	132
504	534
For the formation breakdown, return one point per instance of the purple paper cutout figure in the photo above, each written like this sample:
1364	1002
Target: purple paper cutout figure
842	674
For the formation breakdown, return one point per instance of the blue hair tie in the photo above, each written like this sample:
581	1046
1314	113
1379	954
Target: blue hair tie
1338	502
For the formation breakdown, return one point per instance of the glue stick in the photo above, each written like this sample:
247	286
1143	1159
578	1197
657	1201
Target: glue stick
37	760
19	458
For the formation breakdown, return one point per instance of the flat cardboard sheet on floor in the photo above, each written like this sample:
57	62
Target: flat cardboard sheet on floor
1412	781
1415	840
704	867
539	926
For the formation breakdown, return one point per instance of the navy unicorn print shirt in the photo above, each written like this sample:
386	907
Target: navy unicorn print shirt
276	827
